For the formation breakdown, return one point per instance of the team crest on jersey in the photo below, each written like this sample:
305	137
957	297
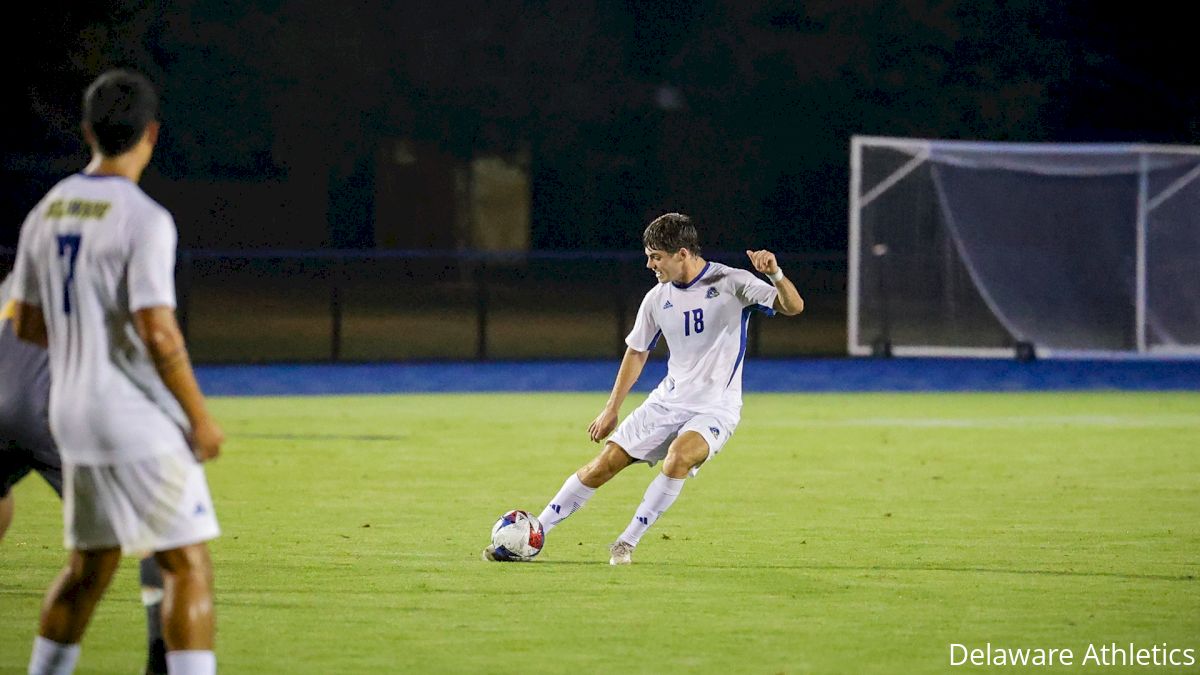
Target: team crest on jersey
667	305
715	432
712	293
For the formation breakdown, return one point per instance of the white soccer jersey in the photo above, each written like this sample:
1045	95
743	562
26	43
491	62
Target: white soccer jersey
95	250
704	324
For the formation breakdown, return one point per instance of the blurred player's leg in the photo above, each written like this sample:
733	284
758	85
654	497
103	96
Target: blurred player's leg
13	467
6	513
152	595
68	608
16	461
188	618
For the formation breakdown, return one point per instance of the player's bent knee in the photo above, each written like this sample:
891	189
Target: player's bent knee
690	447
190	562
193	585
91	571
689	450
674	467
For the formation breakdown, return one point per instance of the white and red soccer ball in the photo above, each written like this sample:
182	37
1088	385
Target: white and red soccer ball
517	535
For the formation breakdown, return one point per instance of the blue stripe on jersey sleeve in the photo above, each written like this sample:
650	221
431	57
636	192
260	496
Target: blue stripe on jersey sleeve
654	340
746	311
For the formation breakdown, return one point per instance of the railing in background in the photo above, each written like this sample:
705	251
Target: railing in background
385	305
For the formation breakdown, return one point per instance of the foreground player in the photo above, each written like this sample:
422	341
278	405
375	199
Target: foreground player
702	309
94	280
26	445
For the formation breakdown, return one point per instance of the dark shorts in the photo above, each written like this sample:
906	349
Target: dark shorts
25	441
17	461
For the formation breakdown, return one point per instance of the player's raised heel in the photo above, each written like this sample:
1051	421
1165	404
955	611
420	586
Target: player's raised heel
622	553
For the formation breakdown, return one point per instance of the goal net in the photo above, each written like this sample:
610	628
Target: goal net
962	248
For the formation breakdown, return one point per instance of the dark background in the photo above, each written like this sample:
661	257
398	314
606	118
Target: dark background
739	113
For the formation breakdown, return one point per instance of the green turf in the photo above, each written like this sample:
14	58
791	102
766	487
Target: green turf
837	533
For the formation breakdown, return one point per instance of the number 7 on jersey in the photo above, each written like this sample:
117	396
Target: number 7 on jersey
68	246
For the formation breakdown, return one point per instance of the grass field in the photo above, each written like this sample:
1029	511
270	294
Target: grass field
835	534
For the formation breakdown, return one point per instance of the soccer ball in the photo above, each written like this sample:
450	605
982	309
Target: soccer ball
517	535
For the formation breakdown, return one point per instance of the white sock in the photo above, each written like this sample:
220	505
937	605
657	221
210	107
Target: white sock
52	658
191	662
659	497
570	498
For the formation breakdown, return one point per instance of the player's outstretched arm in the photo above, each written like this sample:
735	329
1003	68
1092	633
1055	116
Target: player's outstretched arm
631	369
160	331
29	324
788	302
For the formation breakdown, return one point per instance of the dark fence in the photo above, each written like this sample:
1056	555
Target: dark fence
374	305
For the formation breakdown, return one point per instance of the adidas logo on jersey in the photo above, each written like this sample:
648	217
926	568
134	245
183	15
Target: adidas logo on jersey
667	305
712	293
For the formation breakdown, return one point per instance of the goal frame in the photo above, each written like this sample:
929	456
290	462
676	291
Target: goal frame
921	150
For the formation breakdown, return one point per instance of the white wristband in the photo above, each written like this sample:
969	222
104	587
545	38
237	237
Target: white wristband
777	276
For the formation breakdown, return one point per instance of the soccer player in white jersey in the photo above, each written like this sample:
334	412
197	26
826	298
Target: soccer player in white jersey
26	445
94	282
701	308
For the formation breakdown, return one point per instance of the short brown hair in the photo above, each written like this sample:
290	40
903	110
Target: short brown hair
671	232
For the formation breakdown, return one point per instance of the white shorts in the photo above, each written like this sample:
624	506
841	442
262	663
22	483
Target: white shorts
154	504
649	430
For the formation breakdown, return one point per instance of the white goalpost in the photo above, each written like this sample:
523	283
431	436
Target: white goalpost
961	248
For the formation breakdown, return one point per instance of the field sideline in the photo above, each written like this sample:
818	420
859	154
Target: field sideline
837	533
